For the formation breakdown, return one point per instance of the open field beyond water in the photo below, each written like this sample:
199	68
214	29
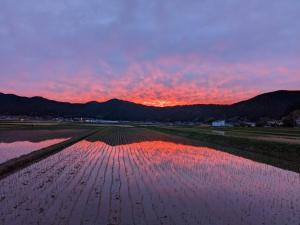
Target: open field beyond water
279	135
138	176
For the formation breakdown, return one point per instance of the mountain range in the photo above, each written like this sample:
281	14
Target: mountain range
272	105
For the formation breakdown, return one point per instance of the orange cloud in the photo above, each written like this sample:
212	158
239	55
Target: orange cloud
165	82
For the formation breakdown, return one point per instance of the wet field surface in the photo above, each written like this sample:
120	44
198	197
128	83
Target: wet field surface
14	143
135	176
16	149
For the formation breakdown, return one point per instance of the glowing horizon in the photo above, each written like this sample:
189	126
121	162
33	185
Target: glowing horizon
157	103
154	53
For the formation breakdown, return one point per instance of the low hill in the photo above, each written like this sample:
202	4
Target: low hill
272	105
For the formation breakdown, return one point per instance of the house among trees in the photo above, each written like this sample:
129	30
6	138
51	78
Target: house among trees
248	124
292	119
274	123
219	123
297	122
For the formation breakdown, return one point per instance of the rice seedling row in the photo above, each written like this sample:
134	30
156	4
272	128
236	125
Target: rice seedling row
125	178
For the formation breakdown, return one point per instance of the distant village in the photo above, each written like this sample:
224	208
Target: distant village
288	121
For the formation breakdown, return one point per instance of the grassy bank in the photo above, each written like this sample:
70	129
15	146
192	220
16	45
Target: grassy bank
16	164
283	155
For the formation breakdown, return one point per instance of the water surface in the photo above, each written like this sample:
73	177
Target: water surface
149	182
12	150
14	143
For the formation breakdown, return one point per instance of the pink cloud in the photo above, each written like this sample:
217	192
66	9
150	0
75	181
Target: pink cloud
163	82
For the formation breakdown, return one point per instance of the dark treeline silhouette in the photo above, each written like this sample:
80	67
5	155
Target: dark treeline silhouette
272	105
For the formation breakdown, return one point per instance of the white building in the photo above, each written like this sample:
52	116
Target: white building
274	123
219	123
297	121
250	124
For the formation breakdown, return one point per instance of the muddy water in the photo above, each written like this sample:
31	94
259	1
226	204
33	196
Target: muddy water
149	182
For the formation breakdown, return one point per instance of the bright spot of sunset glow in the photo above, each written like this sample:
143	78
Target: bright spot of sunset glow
151	52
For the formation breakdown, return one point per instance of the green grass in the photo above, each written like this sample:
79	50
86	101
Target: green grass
265	131
284	135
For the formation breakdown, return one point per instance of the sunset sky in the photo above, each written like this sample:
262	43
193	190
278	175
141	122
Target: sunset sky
156	52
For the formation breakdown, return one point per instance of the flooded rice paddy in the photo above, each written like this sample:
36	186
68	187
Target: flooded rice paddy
138	177
12	150
14	143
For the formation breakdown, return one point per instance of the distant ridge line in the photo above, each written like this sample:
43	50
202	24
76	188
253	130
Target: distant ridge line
272	105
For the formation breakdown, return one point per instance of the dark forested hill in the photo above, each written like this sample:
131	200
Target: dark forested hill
272	105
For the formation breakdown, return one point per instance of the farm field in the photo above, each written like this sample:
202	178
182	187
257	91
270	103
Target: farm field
138	176
277	146
280	135
14	143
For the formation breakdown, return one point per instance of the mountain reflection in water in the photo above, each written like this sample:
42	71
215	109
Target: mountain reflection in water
138	181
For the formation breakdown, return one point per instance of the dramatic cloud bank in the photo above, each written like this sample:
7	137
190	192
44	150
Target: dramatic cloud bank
153	52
